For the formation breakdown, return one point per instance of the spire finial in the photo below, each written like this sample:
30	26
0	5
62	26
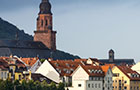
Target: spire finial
45	7
45	0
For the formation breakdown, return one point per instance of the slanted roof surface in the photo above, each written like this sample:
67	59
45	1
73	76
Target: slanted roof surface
118	61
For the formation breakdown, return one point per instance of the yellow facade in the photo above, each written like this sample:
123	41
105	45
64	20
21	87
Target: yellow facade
18	76
122	82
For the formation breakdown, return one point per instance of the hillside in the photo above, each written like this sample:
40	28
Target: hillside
13	37
11	32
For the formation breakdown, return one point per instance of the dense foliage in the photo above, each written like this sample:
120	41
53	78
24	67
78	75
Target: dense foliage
30	85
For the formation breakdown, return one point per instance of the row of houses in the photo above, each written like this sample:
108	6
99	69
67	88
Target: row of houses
78	74
15	68
90	74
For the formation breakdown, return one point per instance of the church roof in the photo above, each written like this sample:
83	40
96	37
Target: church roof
45	7
23	48
30	49
118	61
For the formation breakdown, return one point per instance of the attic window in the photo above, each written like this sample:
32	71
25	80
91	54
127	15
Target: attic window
65	70
72	65
71	70
137	75
58	70
68	71
67	65
56	64
95	71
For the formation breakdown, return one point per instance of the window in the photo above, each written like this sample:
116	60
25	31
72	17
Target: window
95	85
79	85
46	23
41	22
5	75
99	86
125	81
88	85
92	85
125	87
1	75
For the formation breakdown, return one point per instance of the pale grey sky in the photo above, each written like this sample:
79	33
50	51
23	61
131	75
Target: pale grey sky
88	28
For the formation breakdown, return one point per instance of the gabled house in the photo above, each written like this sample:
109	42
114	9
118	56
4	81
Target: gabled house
107	78
4	71
32	64
87	77
61	70
136	67
125	78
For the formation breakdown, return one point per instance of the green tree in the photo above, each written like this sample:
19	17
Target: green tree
45	85
53	86
24	85
8	85
17	85
37	85
61	86
31	85
42	60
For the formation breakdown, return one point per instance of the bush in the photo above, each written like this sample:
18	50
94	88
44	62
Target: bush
29	85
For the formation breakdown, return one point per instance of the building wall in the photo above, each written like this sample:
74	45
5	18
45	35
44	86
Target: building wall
3	74
94	85
134	85
108	80
47	38
136	67
44	32
48	70
18	76
121	80
43	21
79	79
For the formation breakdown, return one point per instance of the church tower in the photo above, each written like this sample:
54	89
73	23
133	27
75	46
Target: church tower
44	32
111	55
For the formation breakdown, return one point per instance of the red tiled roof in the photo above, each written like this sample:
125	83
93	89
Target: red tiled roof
127	70
84	60
110	65
6	61
29	61
95	71
65	68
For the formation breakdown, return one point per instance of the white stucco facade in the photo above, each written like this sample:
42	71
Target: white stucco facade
81	81
136	67
48	70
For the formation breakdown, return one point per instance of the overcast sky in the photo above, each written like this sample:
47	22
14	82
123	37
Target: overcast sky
88	28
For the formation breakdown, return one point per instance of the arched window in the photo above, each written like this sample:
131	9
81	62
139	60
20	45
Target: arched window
46	23
42	23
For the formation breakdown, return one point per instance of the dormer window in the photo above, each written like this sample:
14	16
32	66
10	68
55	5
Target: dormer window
67	65
68	71
71	70
95	71
56	64
59	71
